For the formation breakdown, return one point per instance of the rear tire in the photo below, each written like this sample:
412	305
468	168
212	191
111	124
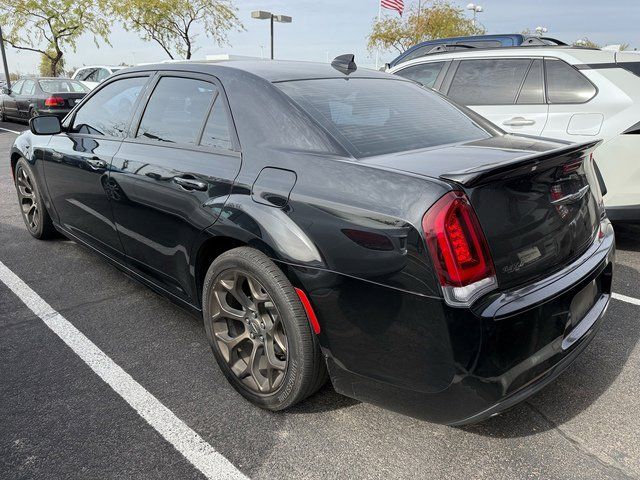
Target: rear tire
34	213
251	310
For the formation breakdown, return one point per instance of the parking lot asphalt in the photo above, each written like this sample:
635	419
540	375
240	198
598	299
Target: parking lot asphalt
58	419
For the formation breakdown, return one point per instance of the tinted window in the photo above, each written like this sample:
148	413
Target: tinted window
488	81
176	110
29	87
426	74
16	87
533	87
62	86
101	74
566	85
90	75
376	116
108	112
216	133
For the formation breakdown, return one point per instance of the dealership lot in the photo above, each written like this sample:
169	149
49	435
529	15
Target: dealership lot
60	420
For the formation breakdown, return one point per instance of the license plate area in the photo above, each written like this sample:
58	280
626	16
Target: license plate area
582	302
580	306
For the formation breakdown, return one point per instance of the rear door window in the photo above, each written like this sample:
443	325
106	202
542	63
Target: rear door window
425	73
494	81
216	132
565	84
177	110
532	92
29	88
109	111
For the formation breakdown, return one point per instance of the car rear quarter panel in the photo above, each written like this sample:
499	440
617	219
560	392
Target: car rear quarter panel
349	236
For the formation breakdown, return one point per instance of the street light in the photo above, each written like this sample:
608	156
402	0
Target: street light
475	9
262	15
541	30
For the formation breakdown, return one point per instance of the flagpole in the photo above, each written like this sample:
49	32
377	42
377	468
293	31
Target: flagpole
378	48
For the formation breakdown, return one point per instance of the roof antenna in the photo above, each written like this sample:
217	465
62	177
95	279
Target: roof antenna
345	63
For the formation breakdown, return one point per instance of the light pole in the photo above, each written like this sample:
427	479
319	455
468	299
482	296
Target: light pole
540	30
4	60
262	15
475	9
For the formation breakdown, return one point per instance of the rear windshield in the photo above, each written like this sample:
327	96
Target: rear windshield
378	116
62	86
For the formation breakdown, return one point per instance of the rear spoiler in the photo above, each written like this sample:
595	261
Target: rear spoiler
482	174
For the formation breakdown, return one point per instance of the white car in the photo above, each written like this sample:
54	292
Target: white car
93	75
573	94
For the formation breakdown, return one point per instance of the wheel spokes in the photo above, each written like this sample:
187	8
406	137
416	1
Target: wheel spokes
27	197
248	331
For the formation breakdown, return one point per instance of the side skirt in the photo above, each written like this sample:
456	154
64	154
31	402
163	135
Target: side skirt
194	310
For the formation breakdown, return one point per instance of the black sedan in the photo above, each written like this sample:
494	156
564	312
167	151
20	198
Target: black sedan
334	221
30	97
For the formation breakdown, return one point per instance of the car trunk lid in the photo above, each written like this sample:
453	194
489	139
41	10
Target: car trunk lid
538	213
69	100
539	207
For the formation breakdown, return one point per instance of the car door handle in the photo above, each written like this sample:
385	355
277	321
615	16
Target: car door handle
191	183
518	122
96	163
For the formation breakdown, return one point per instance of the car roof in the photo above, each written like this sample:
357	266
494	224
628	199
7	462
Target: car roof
99	66
270	70
573	55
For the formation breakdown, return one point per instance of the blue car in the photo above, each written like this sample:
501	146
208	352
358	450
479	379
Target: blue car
476	41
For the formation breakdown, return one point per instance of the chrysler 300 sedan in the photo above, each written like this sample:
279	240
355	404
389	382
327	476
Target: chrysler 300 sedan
330	221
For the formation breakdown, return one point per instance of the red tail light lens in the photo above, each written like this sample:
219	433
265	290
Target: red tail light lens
459	249
54	102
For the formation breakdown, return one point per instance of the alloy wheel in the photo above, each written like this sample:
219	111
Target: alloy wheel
28	199
249	332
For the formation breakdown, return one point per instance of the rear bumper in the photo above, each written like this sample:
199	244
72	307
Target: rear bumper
455	366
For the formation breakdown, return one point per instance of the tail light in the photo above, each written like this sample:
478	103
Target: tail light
459	250
54	102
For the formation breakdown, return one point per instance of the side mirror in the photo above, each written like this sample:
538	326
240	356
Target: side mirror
6	90
45	125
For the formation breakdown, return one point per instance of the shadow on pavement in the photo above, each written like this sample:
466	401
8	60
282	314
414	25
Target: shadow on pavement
325	400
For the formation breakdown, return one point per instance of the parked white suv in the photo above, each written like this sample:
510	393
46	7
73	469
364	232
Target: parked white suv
92	76
573	94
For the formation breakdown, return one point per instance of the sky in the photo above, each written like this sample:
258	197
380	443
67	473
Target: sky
323	29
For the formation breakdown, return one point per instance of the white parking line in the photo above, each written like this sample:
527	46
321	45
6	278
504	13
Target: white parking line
624	298
202	455
10	131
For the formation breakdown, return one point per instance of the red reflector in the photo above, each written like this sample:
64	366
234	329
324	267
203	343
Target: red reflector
313	320
54	102
456	242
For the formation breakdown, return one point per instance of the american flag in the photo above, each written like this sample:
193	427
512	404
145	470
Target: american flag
397	5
